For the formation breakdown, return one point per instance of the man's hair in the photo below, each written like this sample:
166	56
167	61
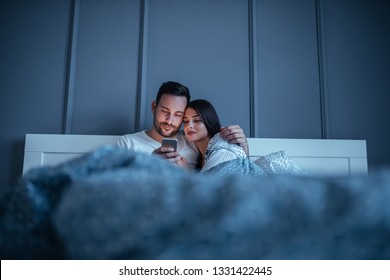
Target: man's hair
173	88
208	115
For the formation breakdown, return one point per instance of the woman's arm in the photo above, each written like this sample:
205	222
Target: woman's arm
223	153
235	135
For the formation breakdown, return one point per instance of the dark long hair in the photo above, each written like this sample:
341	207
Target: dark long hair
208	114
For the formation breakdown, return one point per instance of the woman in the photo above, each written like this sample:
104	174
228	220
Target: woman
202	126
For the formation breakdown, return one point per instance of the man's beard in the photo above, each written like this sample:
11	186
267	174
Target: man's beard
163	133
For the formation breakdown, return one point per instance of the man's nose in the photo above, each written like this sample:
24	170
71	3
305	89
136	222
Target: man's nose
169	118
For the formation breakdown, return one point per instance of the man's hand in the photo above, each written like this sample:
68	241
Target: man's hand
182	162
167	153
235	135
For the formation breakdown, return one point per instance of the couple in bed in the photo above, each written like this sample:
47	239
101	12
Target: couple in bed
202	145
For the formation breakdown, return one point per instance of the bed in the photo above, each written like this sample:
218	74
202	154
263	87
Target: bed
317	156
107	203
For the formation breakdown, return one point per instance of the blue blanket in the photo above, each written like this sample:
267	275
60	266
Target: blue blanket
113	204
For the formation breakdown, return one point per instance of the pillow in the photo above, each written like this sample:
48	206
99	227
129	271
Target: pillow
279	163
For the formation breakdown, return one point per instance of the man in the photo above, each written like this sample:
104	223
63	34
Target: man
168	110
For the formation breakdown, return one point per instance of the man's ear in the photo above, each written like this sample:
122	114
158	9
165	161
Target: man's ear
154	106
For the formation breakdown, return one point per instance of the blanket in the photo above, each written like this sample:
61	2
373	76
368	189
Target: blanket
115	204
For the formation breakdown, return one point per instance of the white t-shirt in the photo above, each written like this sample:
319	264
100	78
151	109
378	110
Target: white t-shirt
141	142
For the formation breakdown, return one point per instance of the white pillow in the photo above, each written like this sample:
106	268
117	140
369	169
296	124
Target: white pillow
279	163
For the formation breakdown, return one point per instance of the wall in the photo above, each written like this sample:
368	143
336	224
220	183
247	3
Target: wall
356	45
288	92
33	56
288	69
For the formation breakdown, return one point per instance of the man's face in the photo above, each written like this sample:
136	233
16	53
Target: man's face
168	114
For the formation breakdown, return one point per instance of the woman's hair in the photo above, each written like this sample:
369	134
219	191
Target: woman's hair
208	115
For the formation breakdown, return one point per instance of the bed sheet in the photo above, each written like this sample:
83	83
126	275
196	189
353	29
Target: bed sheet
115	204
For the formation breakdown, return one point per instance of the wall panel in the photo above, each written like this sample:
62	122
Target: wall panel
33	51
106	68
356	48
288	92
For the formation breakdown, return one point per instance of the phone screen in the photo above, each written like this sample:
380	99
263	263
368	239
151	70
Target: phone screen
167	142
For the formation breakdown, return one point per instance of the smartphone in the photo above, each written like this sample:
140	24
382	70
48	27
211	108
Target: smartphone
169	142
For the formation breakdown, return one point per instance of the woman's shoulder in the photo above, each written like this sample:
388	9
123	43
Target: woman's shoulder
217	140
217	143
219	151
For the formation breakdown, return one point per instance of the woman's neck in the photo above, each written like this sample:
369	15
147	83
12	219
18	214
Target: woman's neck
202	146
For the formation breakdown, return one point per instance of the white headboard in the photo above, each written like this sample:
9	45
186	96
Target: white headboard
320	157
51	149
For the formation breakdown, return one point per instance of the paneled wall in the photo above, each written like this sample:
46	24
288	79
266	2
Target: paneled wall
356	46
33	58
203	44
288	100
280	68
105	67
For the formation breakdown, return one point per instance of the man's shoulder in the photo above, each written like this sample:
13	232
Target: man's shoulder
128	141
137	141
134	135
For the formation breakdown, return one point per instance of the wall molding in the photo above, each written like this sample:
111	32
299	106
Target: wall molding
253	70
71	67
321	72
140	121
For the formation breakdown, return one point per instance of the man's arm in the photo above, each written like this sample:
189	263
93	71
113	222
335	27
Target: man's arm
235	135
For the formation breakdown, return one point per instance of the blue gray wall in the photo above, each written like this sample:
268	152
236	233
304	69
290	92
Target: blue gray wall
278	68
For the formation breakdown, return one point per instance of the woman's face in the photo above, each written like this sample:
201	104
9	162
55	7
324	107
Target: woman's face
194	127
